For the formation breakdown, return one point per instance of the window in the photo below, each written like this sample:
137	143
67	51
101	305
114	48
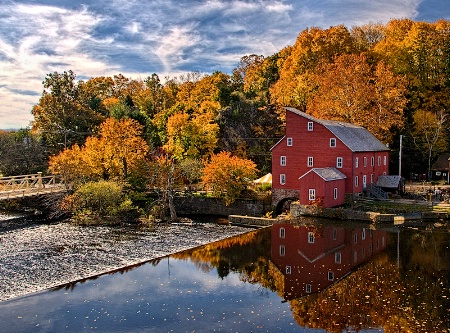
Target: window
337	257
282	160
335	193
289	142
372	161
334	234
356	162
308	288
282	250
384	160
356	181
288	270
332	142
372	177
379	160
339	162
311	237
282	179
310	125
310	161
363	235
282	232
330	276
312	194
364	181
355	238
365	161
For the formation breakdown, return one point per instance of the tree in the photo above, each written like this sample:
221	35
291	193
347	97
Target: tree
227	176
429	133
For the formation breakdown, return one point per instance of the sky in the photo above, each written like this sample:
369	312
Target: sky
167	37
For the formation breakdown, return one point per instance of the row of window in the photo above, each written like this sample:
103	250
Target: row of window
339	161
290	142
311	237
364	183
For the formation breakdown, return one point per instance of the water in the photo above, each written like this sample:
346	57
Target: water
304	278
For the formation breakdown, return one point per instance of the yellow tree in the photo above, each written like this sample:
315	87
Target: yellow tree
227	176
70	165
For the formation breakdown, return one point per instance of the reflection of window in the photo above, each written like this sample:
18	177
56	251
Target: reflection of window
355	257
355	238
363	234
282	179
282	160
288	269
363	252
289	142
282	250
337	257
330	276
334	234
382	241
282	232
310	125
308	288
312	194
310	237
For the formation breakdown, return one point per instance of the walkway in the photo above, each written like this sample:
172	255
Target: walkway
29	185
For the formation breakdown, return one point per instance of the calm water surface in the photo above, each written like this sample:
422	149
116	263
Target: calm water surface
304	278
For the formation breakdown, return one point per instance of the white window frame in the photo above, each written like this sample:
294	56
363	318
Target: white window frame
289	142
365	161
288	270
384	160
310	162
356	162
311	238
283	160
379	160
310	126
364	180
338	257
372	161
282	233
335	193
282	250
282	179
333	142
308	288
330	276
312	194
339	162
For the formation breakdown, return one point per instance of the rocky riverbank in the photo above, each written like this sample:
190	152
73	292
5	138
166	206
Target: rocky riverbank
38	257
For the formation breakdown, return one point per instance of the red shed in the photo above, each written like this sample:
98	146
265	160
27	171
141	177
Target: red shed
327	184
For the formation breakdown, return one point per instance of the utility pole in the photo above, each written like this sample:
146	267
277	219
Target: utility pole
400	156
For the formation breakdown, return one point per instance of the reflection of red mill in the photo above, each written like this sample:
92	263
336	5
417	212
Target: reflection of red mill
313	258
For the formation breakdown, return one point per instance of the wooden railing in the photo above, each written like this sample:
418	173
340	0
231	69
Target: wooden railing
29	185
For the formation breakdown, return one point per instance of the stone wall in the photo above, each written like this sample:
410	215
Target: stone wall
194	205
280	194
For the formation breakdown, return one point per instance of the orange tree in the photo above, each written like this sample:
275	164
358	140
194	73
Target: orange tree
227	176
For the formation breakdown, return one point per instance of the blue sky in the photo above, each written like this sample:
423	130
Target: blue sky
168	37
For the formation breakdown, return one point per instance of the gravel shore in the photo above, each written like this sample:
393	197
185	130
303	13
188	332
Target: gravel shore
38	257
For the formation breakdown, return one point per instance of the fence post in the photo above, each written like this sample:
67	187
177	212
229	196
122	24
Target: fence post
39	179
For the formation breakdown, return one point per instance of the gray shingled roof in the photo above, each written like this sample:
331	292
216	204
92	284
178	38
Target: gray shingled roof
327	173
356	138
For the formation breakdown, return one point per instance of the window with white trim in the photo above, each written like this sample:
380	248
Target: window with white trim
289	142
310	161
282	179
335	193
282	233
337	257
312	194
310	125
330	276
372	161
282	251
356	162
332	142
379	160
288	270
311	237
364	181
365	161
384	160
308	288
339	162
283	160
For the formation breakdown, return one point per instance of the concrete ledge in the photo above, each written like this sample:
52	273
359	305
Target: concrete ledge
251	221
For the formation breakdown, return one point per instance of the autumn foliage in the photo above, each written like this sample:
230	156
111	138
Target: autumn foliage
227	176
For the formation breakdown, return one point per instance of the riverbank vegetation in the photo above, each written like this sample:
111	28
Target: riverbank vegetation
393	79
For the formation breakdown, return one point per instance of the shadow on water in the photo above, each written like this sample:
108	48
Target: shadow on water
302	277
